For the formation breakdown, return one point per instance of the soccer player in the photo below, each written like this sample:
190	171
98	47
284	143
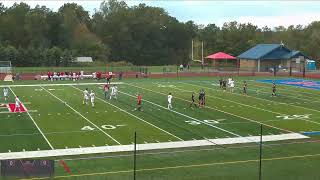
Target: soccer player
139	102
231	85
200	99
18	102
92	96
220	83
106	90
114	91
224	85
274	89
193	101
245	88
109	77
169	101
203	98
5	93
85	96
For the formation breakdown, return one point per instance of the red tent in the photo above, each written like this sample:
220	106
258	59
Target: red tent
223	59
220	56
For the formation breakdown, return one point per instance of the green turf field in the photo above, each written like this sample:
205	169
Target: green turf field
57	119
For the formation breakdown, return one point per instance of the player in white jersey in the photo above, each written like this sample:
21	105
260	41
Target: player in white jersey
5	93
114	91
169	101
231	85
18	102
85	96
92	96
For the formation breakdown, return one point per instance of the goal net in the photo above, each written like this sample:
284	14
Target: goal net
5	67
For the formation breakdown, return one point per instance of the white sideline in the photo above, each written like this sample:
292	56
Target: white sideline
208	124
82	116
63	84
133	115
34	122
150	146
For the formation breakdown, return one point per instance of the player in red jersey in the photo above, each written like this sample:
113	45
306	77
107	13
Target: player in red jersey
139	102
106	91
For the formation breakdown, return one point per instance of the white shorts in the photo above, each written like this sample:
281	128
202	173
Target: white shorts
17	105
5	94
92	99
86	98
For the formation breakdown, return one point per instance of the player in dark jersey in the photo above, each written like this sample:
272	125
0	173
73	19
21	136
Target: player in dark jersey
224	85
245	88
193	103
203	98
220	83
200	98
274	89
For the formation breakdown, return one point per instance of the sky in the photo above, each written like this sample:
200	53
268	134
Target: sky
261	13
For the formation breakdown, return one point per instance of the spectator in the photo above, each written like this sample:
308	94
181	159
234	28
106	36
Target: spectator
181	67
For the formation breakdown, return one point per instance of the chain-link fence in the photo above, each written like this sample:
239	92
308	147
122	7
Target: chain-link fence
258	157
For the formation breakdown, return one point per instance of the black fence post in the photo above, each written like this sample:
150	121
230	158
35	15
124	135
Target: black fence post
290	72
304	70
135	156
260	154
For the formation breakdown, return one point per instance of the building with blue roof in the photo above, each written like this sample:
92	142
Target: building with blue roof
262	57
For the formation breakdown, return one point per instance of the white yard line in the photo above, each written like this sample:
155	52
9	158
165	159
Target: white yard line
82	116
287	88
150	146
255	97
251	120
284	94
250	106
185	115
34	123
134	116
234	102
61	84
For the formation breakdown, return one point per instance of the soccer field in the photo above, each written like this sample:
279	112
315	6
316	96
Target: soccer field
218	141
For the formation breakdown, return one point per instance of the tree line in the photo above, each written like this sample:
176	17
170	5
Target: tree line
141	35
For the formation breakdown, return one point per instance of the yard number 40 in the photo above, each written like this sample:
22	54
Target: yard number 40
107	127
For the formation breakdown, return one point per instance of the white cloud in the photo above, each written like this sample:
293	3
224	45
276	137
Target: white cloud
274	21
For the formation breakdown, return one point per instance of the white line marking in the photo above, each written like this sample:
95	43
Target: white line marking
133	115
252	106
251	120
35	123
81	115
185	115
258	98
240	103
